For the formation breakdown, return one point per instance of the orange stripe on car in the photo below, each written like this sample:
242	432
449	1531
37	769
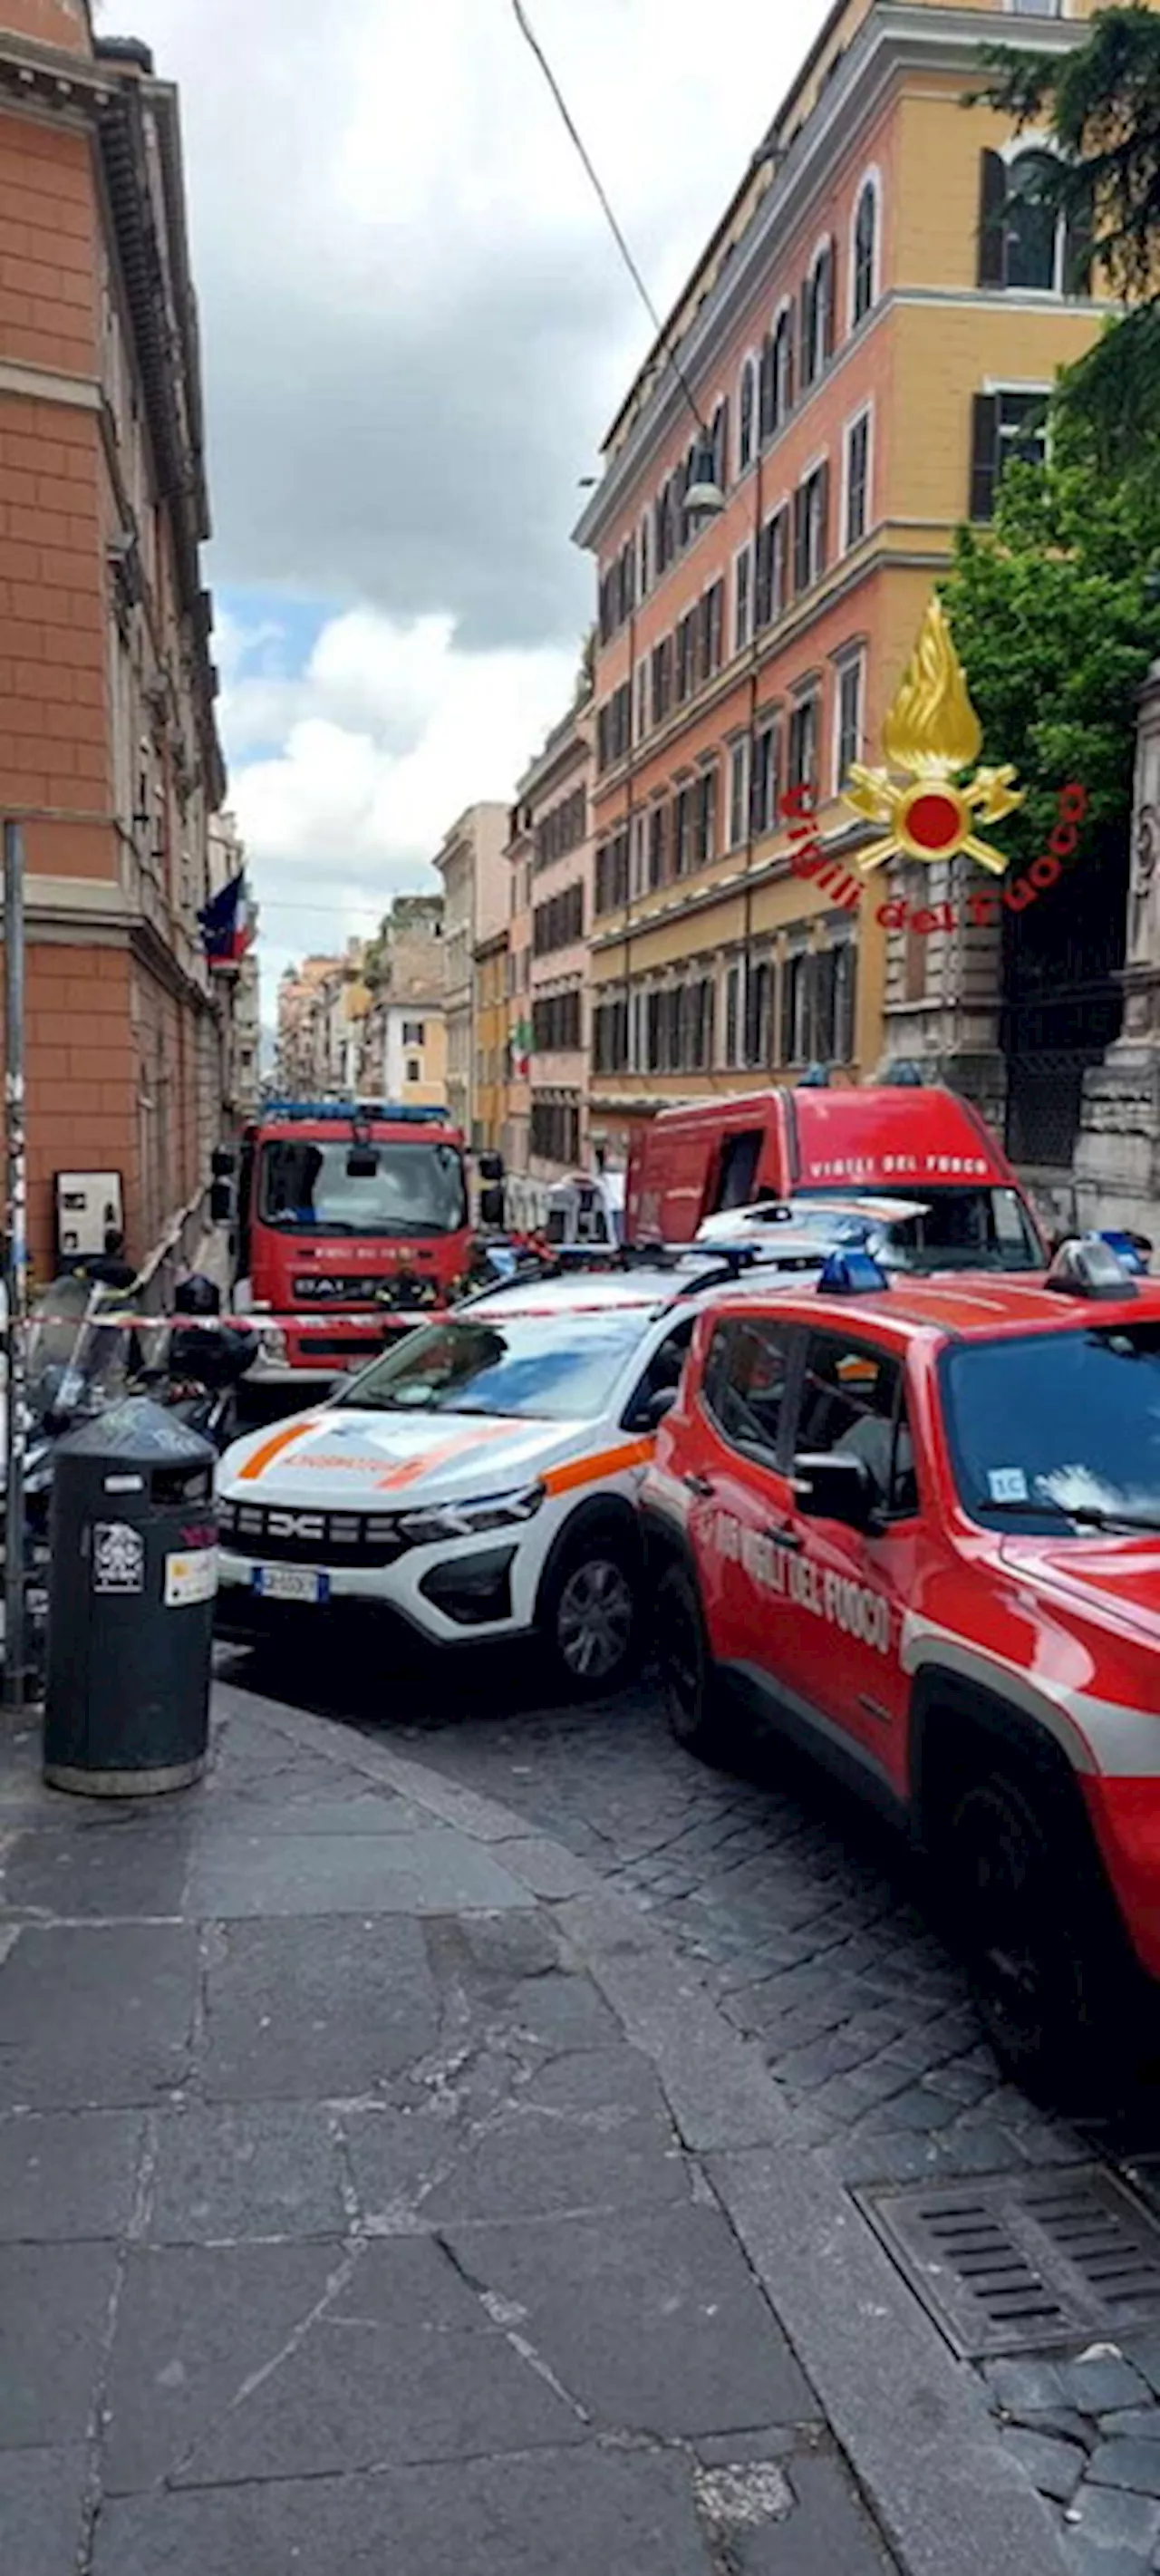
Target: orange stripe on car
271	1449
590	1471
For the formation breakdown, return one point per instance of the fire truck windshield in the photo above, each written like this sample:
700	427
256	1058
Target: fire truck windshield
338	1187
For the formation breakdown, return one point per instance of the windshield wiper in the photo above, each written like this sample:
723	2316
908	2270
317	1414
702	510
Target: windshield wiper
1084	1515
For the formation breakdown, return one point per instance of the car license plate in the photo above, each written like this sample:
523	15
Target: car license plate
290	1583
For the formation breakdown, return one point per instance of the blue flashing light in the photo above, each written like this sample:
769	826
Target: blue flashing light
1127	1251
852	1274
345	1112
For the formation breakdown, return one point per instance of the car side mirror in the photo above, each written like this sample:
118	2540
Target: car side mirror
652	1412
835	1486
491	1206
221	1203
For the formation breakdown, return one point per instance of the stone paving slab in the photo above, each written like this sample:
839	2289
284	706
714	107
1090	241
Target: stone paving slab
314	2008
100	2014
221	2173
654	2323
41	2511
66	2174
55	2303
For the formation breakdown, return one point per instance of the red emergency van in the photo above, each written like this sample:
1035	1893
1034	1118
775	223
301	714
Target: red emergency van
344	1210
915	1524
908	1142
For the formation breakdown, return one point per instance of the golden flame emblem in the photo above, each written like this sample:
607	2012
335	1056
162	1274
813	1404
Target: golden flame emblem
929	737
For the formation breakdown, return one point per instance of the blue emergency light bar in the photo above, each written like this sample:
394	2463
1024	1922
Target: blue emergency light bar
344	1112
852	1274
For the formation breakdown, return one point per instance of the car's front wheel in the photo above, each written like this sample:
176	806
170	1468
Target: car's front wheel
591	1616
1032	1927
694	1698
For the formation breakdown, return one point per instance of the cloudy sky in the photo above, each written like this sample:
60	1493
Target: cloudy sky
416	331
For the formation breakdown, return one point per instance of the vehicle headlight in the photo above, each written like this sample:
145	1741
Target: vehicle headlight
272	1343
464	1520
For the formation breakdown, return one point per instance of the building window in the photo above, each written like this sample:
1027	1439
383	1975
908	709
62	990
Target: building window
641	700
612	872
763	798
639	855
413	1033
704	824
759	1014
556	1023
811	515
817	1006
732	1055
803	744
658	829
857	479
742	599
612	727
559	922
769	581
783	368
817	304
414	1069
686	657
746	408
643	556
1022	243
683	830
662	679
719	444
738	792
560	830
1004	426
554	1131
864	253
848	728
712	635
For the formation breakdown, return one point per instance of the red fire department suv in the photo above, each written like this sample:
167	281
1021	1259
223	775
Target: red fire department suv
918	1526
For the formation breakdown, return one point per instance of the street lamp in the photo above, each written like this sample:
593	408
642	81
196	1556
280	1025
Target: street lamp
704	498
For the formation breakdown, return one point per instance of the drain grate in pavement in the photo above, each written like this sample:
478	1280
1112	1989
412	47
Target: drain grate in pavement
1023	2261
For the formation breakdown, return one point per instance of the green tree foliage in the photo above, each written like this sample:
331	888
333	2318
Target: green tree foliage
1100	105
1054	619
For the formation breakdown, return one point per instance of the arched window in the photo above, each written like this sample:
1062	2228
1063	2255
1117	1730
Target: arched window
865	253
1033	229
817	339
1023	242
747	405
783	367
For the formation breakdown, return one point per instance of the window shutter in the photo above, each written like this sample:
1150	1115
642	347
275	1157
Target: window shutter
768	405
823	515
789	358
807	302
801	538
984	454
1077	253
826	289
992	269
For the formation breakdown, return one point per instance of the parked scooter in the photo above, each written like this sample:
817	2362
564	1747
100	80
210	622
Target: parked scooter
204	1367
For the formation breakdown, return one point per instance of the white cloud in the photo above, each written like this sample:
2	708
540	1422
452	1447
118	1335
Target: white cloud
345	779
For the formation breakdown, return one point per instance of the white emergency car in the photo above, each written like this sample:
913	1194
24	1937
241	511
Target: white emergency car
481	1477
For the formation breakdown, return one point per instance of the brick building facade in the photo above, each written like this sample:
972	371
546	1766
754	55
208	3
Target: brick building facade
108	746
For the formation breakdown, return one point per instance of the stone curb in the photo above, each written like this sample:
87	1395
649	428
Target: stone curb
914	2423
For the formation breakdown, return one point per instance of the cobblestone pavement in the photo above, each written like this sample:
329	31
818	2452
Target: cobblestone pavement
816	1932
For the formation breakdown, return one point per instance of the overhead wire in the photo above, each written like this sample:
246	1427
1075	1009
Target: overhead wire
528	32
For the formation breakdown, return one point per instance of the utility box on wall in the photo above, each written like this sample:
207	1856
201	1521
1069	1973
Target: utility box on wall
89	1205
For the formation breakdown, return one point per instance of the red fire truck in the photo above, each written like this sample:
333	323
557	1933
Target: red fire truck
346	1209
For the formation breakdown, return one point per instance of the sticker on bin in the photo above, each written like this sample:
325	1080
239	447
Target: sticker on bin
118	1557
191	1578
290	1583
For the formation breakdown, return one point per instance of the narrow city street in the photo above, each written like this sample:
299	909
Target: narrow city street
816	1933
